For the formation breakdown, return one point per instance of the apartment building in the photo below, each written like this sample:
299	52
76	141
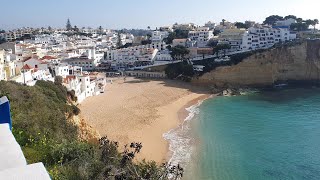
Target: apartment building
158	36
265	37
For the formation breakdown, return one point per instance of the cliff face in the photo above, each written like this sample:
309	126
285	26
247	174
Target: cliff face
85	131
296	63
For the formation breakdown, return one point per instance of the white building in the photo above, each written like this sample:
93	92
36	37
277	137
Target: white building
285	23
131	56
35	63
158	36
3	75
83	61
201	36
264	37
83	86
30	76
72	83
233	37
163	56
61	70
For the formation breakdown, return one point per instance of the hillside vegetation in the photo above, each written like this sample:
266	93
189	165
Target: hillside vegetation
41	125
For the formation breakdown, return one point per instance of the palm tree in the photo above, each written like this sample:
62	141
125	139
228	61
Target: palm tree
76	29
223	21
315	22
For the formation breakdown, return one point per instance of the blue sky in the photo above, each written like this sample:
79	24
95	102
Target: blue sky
142	13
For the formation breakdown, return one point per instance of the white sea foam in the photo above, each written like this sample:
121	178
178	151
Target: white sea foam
180	140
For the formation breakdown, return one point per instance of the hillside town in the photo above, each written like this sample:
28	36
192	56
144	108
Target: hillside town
77	54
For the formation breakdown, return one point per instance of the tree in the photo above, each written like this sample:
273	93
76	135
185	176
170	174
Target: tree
309	22
100	30
314	23
290	17
148	28
223	47
179	52
241	25
299	26
76	29
223	21
299	20
177	34
271	20
68	26
149	36
2	40
49	28
182	70
212	43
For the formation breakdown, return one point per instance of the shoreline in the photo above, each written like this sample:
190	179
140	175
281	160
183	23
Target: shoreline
141	110
185	114
178	112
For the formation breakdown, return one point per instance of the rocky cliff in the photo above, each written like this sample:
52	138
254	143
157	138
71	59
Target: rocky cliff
300	62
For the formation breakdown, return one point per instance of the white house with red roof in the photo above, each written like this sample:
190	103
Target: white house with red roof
30	75
36	63
84	85
50	59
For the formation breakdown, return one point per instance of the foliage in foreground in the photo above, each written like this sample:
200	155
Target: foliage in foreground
41	126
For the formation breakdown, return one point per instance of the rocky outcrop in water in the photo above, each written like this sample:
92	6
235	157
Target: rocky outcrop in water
298	63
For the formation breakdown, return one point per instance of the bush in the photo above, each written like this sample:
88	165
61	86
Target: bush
177	70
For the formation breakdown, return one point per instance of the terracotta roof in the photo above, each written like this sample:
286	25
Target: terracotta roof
68	78
47	58
26	67
21	45
27	58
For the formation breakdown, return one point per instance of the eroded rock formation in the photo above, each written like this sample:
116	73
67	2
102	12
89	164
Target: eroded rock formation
296	63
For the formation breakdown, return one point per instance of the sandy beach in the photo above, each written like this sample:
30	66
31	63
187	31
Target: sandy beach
141	111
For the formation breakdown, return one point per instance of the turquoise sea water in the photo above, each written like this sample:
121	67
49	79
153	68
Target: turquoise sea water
267	135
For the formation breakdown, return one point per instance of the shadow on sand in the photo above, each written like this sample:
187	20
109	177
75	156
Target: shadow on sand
173	83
